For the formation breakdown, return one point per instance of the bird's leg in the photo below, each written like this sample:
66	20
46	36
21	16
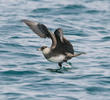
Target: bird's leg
60	64
69	63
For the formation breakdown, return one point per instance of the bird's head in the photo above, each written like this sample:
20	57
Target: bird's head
44	49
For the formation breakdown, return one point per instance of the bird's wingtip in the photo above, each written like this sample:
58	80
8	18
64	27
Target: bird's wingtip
29	22
25	20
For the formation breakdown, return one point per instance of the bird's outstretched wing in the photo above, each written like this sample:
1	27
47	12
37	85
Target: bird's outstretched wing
59	35
41	30
62	41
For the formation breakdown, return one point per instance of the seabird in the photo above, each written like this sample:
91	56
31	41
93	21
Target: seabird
61	49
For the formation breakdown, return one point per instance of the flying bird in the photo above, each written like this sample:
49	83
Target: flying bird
61	49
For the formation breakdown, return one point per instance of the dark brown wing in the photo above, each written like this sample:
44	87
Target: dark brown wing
63	42
41	30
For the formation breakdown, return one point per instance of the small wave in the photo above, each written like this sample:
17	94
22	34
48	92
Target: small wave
70	98
40	10
96	89
94	11
26	55
4	51
103	32
11	44
15	37
30	63
75	7
107	38
86	76
9	65
70	9
11	93
12	72
104	82
97	28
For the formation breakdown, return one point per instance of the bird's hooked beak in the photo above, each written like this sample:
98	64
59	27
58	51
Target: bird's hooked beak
38	49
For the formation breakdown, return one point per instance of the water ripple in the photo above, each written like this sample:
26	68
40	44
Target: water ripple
23	70
12	72
94	90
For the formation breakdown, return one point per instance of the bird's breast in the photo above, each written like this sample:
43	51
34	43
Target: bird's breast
58	58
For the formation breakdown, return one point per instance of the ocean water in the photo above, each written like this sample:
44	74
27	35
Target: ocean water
23	74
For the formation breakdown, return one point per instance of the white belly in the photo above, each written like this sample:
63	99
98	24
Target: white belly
59	58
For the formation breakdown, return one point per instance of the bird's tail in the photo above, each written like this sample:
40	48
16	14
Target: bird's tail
75	55
69	55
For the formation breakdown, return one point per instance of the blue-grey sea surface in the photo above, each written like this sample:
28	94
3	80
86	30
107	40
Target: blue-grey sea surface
23	74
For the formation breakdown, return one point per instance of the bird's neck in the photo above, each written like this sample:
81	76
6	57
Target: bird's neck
46	51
